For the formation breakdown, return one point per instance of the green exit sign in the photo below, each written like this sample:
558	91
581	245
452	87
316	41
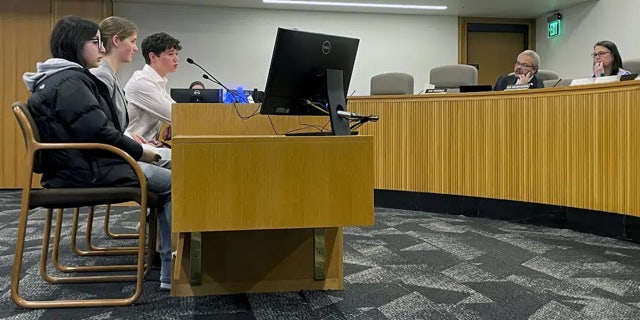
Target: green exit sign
554	28
554	25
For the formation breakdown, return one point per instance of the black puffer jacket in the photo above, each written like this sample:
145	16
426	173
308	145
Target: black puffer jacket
69	104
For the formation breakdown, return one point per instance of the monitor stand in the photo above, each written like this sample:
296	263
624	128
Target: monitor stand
337	101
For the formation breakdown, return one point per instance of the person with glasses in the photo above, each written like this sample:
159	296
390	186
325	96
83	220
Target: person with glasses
524	72
120	37
69	104
607	60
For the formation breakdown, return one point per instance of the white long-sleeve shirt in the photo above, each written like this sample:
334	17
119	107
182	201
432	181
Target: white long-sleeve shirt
149	104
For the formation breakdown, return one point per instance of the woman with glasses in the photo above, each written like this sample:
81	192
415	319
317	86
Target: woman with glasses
607	60
120	36
69	104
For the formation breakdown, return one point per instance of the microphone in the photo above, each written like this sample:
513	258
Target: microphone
353	115
555	84
213	79
207	75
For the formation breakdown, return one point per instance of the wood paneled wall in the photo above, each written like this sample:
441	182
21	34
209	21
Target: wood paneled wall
25	26
574	146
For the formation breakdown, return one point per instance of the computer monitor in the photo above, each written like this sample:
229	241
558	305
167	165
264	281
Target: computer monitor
309	75
197	95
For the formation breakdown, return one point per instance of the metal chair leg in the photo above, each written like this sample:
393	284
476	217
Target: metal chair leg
15	277
110	251
76	279
113	235
91	249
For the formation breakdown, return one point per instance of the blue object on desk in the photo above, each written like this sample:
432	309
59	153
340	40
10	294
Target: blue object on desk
236	96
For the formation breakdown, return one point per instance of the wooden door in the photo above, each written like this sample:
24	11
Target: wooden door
493	44
494	53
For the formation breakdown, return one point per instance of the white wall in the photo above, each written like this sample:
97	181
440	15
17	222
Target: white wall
235	45
584	25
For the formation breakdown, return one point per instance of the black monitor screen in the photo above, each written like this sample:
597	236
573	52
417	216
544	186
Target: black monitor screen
197	95
298	72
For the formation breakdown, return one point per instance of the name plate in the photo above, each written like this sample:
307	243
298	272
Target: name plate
436	91
518	86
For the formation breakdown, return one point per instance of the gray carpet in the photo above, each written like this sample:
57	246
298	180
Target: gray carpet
410	265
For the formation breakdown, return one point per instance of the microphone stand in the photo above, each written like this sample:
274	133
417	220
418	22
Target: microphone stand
357	118
213	79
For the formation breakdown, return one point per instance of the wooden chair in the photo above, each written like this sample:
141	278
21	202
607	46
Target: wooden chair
60	198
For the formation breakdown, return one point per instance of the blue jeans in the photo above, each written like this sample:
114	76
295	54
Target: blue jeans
159	181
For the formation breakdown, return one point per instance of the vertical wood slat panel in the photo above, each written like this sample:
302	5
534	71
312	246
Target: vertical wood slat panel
94	10
573	146
24	39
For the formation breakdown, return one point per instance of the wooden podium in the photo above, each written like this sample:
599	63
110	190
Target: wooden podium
257	213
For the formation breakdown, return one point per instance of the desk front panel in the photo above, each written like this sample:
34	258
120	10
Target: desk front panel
574	146
271	182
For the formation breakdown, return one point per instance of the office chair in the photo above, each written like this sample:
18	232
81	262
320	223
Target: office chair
60	198
453	76
391	83
632	65
547	75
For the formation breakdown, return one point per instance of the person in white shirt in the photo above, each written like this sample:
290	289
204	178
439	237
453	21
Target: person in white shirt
148	103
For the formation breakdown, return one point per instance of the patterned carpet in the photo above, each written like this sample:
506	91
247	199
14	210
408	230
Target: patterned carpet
410	265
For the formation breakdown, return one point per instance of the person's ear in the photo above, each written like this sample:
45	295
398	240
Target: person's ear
114	41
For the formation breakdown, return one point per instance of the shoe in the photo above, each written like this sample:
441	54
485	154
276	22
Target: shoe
165	286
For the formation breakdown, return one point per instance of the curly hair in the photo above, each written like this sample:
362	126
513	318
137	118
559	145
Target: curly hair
158	43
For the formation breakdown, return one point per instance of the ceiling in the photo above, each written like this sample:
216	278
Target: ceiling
468	8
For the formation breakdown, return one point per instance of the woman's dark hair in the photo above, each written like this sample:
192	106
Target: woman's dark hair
617	59
69	36
158	43
196	83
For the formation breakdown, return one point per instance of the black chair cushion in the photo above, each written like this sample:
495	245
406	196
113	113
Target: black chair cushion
84	197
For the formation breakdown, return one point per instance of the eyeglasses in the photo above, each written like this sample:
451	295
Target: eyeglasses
524	65
98	42
599	54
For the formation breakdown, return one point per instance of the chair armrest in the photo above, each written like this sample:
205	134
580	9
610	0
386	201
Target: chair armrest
100	146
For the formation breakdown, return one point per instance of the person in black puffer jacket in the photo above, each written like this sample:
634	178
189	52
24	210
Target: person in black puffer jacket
69	104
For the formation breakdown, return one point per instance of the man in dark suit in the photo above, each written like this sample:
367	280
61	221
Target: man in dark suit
524	72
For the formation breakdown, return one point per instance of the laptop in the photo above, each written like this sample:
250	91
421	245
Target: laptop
475	88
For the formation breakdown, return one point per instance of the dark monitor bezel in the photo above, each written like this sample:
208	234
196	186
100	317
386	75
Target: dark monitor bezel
183	95
298	71
475	88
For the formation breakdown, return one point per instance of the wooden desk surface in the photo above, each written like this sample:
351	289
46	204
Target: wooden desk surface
569	146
